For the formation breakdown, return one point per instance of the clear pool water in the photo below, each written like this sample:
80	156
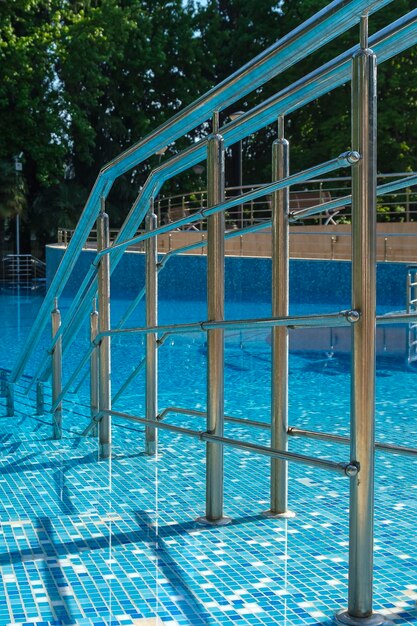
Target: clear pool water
84	542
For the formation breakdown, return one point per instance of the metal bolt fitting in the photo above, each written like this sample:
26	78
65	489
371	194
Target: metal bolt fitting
352	316
352	469
353	157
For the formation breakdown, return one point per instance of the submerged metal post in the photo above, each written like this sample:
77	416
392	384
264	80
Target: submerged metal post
10	400
94	369
151	434
7	391
56	373
40	398
215	337
361	516
3	383
280	271
104	396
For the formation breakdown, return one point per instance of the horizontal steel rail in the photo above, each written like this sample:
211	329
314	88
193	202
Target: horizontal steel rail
328	320
292	430
326	25
396	318
228	418
347	469
383	447
343	160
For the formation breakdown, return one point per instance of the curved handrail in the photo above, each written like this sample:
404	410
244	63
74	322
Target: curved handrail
327	24
391	40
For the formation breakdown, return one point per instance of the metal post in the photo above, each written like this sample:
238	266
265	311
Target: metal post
215	337
280	270
94	369
40	399
151	435
237	174
407	204
10	400
3	383
104	399
361	516
56	373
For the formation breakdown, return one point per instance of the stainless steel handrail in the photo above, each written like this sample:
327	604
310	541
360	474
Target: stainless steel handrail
387	42
343	160
347	469
321	28
379	445
330	320
292	430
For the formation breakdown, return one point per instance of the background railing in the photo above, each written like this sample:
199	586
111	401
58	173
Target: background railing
398	207
22	270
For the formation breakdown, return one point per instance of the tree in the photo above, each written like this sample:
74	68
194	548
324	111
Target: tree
30	99
234	31
12	196
81	81
125	67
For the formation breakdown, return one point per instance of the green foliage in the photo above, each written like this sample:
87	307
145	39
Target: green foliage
12	191
30	98
125	67
237	30
394	213
82	80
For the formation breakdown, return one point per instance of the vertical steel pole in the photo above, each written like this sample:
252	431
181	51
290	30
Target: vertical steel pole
3	383
280	271
104	400
151	436
40	399
10	400
94	369
56	373
215	338
361	517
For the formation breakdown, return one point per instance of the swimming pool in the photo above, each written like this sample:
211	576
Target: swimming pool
116	542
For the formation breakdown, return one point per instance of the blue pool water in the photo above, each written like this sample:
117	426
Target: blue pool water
84	542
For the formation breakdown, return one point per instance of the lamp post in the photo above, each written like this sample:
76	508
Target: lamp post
160	153
18	168
236	170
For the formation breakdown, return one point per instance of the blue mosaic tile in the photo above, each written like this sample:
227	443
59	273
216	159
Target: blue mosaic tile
88	543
